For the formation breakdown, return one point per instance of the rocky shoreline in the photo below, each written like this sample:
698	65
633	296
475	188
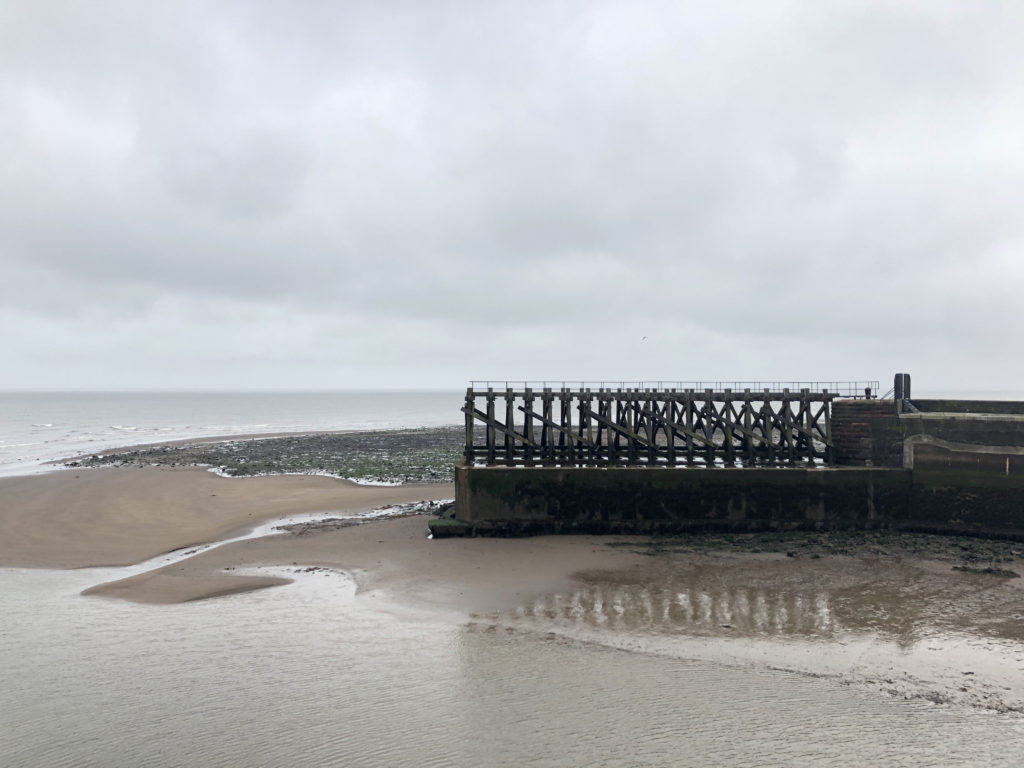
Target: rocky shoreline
382	456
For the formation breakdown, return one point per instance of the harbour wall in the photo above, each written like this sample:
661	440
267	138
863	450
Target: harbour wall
959	436
934	466
513	501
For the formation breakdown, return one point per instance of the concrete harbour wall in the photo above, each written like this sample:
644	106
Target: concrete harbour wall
928	465
511	500
965	436
519	501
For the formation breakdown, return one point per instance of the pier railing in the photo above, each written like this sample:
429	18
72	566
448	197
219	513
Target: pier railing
652	427
845	389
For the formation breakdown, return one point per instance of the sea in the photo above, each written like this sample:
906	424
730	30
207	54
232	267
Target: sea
38	428
314	674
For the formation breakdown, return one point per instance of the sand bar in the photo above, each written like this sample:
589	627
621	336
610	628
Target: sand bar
98	517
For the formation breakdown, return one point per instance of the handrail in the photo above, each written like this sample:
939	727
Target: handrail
852	389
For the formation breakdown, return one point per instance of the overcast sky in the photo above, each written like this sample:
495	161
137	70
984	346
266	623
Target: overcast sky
322	195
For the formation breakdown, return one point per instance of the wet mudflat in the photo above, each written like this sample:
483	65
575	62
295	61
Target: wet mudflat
909	627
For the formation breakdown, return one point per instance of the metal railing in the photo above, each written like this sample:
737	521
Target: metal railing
851	389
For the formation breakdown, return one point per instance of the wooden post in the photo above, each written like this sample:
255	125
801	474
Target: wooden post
709	429
617	420
585	454
808	425
611	436
830	453
652	448
490	426
510	426
470	405
748	438
727	431
602	449
787	423
564	441
768	422
547	448
670	435
689	426
528	458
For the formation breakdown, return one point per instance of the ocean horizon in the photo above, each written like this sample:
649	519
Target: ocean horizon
41	427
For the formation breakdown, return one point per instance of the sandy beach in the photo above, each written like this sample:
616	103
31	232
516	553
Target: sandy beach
910	626
120	516
124	516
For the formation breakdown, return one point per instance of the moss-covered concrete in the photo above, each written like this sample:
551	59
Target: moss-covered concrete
511	501
965	502
642	500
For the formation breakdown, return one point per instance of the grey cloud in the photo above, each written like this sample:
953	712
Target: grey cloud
392	176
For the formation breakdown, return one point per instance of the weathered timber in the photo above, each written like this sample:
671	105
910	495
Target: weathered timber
649	427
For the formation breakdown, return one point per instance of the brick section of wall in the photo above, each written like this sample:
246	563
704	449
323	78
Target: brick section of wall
866	433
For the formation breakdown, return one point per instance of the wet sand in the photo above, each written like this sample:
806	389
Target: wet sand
910	626
98	517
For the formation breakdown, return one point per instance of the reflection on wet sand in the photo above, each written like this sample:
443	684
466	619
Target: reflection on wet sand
898	602
684	608
912	630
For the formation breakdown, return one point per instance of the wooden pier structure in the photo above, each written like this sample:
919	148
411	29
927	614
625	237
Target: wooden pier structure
589	457
669	424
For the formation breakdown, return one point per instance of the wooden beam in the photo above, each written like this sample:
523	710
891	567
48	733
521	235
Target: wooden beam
498	426
549	423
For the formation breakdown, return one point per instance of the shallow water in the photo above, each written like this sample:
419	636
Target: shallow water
310	675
